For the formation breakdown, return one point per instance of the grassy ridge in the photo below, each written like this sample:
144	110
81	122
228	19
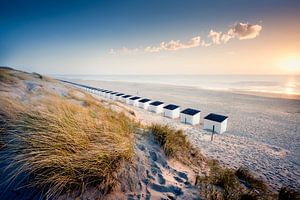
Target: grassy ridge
64	144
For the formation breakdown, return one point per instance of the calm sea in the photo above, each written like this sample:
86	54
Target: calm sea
275	84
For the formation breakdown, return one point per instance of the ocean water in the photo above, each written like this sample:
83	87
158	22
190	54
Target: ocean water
287	85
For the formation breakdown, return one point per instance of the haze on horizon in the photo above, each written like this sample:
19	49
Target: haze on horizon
151	37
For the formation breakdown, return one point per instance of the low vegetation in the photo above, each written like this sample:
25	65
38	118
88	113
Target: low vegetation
176	145
62	144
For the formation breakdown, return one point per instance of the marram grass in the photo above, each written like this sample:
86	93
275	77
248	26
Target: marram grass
65	146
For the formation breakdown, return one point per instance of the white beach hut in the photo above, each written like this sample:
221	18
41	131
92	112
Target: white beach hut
172	111
107	95
215	122
115	97
100	92
103	93
156	106
134	101
190	116
112	95
96	91
144	103
118	97
125	98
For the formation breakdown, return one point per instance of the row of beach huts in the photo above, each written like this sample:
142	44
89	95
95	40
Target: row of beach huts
212	122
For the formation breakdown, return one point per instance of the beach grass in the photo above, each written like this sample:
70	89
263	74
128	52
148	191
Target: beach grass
176	145
64	146
224	183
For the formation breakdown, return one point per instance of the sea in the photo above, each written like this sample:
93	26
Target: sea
286	85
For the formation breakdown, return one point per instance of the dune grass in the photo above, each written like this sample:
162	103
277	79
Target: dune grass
65	146
176	145
7	77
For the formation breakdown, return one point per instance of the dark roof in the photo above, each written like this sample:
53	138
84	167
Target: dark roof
134	98
126	96
120	94
114	93
190	111
156	103
144	100
215	117
171	107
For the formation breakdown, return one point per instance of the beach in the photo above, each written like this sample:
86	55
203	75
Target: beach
263	133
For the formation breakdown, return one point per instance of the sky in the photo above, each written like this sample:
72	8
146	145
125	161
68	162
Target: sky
151	36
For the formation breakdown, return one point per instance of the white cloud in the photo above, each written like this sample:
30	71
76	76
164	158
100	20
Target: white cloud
215	36
241	31
174	45
245	31
124	50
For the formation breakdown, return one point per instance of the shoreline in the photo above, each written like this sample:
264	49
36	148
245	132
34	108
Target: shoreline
263	133
257	93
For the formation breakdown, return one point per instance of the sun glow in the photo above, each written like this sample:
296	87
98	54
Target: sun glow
291	64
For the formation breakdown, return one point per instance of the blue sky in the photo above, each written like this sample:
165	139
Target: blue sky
76	37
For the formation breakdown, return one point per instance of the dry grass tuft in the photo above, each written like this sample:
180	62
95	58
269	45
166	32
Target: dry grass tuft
246	176
64	146
175	144
223	183
7	77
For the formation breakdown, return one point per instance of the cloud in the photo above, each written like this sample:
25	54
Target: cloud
241	31
123	50
174	45
245	31
215	36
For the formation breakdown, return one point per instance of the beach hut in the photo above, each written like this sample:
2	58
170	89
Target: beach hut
215	122
125	98
103	93
172	111
100	92
144	103
190	116
107	95
92	90
96	91
112	95
134	101
156	106
118	97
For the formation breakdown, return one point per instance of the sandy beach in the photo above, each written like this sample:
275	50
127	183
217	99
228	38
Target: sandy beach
263	133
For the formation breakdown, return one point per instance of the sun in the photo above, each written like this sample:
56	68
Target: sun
291	64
